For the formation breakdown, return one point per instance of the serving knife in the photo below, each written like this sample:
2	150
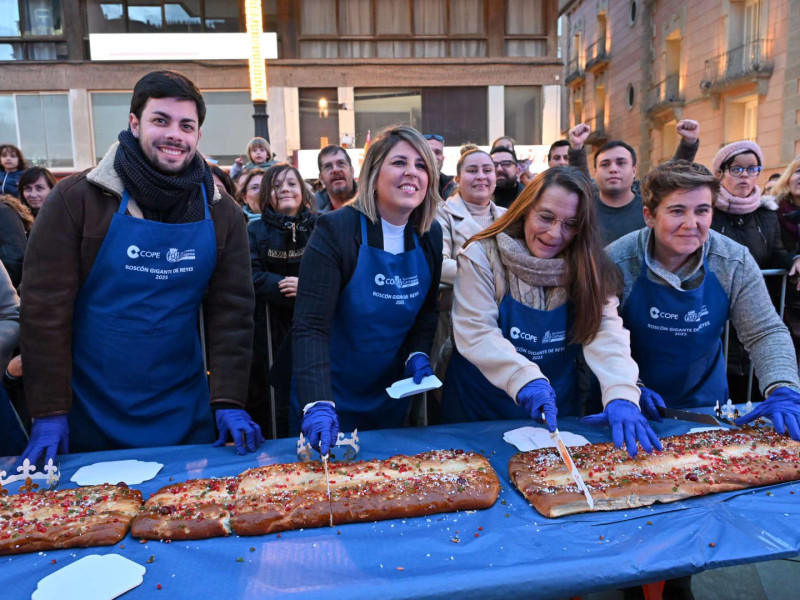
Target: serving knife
687	415
573	470
328	483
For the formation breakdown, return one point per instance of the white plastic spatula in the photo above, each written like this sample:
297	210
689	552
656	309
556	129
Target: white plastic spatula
93	577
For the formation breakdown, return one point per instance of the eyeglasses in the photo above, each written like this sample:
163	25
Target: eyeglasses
434	136
737	171
505	164
546	220
339	164
254	187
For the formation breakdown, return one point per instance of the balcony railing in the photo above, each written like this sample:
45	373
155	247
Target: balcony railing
596	55
575	72
665	93
747	61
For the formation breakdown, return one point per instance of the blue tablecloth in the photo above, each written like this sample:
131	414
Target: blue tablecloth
517	552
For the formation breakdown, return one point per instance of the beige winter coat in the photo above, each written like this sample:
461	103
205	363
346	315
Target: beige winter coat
480	286
457	227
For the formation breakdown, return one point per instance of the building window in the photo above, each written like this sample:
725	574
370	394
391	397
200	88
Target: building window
633	12
227	128
459	114
378	107
669	140
392	28
741	119
22	18
27	29
523	114
577	106
319	117
526	28
40	125
630	96
148	16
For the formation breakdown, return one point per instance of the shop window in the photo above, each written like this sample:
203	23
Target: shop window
378	107
459	114
523	114
40	125
319	117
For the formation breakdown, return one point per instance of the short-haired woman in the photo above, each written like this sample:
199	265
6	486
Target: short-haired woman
367	300
531	291
681	283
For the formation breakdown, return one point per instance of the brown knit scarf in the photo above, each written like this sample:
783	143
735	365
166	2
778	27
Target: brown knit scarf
536	282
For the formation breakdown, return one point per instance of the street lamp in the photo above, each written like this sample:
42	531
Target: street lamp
257	67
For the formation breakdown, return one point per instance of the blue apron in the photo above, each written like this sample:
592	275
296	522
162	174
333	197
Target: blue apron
374	313
137	367
675	339
541	337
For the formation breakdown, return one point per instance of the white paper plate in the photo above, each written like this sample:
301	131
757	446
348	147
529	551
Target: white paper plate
93	577
407	387
127	471
532	438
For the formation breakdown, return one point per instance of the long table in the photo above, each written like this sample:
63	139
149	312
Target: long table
509	550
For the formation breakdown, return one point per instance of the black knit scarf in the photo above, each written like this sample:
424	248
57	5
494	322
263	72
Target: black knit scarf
163	198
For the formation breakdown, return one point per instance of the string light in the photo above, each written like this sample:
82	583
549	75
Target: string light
257	66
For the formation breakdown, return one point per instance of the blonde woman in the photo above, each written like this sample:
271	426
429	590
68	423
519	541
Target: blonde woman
367	297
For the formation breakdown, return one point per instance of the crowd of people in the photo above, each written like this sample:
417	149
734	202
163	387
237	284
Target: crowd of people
530	296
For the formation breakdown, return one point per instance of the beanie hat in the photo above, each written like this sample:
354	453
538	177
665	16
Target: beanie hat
735	149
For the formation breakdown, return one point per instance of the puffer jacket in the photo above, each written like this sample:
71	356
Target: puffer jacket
9	182
759	231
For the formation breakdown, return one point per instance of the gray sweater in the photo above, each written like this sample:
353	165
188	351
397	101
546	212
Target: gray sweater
750	309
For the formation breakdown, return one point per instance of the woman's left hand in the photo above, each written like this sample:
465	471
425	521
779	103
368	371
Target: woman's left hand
288	286
627	424
418	366
782	408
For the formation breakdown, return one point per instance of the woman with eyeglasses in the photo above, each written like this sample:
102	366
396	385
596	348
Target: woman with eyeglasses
250	193
742	212
532	290
681	283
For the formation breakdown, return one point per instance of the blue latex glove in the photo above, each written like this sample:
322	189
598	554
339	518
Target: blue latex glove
648	402
627	424
782	408
321	427
49	435
538	397
418	366
238	424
